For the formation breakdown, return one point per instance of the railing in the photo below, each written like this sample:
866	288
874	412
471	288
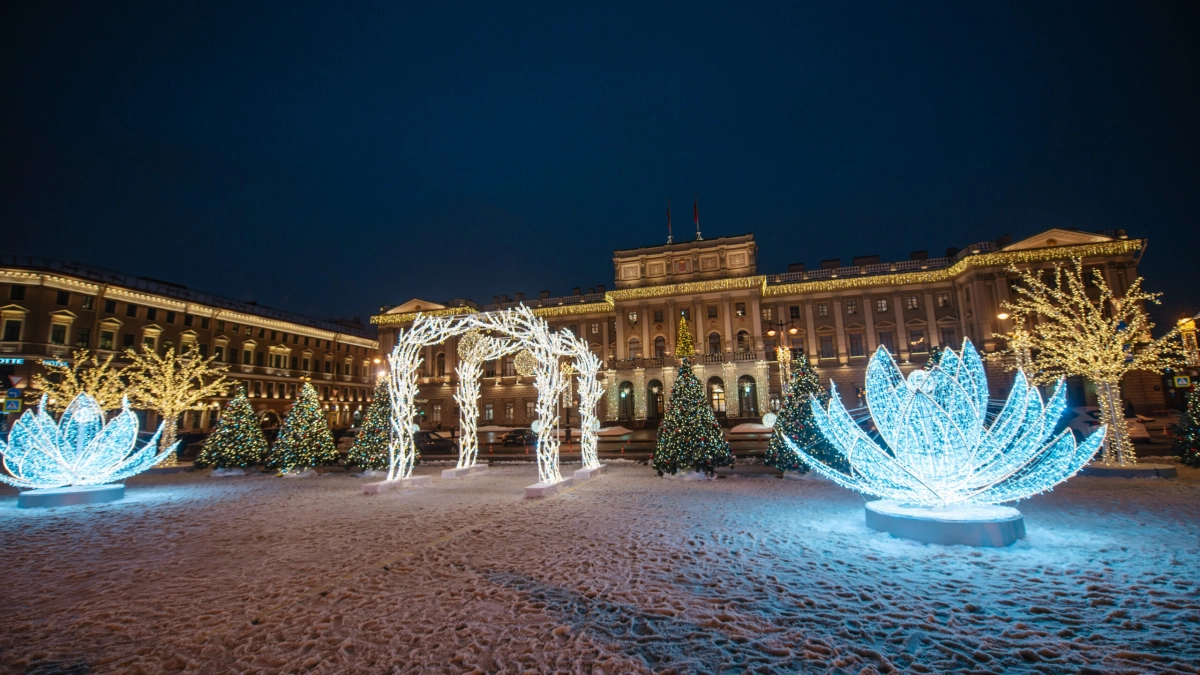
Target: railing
247	369
58	351
861	270
327	376
546	302
711	358
740	357
11	347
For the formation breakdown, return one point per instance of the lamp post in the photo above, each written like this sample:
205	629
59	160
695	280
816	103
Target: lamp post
782	354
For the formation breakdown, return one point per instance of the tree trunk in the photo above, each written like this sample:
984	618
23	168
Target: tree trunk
170	427
1118	449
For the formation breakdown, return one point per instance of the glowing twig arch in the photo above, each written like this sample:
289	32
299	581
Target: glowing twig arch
520	330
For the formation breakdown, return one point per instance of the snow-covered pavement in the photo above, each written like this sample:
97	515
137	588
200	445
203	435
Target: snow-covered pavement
629	573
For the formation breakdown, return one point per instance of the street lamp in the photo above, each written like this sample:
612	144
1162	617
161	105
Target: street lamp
776	327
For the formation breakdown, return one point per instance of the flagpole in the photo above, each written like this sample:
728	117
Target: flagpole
696	213
669	240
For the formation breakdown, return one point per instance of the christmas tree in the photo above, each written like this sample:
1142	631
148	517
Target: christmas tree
794	421
689	436
1187	432
237	440
935	357
370	449
304	439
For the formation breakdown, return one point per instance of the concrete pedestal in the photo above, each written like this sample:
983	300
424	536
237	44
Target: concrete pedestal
402	484
588	473
1130	470
70	496
538	490
466	471
983	525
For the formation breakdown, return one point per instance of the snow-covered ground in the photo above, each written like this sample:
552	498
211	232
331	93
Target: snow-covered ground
628	573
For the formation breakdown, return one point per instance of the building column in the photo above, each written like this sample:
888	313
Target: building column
699	326
639	393
668	380
931	317
727	309
672	328
841	331
810	327
644	320
901	329
622	348
756	320
869	317
611	384
604	347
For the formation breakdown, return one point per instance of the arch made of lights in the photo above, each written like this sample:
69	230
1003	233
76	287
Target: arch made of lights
510	330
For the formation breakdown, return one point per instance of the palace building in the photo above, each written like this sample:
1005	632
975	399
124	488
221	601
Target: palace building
742	320
49	309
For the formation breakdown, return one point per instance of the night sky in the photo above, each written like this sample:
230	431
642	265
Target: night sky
328	159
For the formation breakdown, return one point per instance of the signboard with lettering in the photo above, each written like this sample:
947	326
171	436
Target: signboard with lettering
55	362
11	362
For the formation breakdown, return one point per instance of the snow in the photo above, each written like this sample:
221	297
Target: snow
492	427
981	513
613	431
751	428
629	574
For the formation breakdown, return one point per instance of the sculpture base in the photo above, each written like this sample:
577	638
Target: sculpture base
538	490
968	525
402	484
70	496
1130	470
588	473
464	472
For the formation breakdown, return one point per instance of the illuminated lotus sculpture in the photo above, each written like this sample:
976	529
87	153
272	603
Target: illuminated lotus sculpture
940	451
80	459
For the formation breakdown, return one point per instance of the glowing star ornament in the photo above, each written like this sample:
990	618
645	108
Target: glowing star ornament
942	467
79	460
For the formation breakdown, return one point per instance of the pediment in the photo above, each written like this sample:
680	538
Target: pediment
947	321
915	323
415	305
1057	237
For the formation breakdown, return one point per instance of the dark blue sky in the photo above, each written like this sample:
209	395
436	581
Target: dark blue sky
328	158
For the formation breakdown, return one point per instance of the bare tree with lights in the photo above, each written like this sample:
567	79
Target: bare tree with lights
1064	332
85	374
172	384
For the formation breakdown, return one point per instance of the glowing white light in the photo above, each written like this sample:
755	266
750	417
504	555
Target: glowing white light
937	449
769	420
80	450
536	426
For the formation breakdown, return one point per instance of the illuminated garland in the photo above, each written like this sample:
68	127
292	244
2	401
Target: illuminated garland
237	441
795	422
86	373
304	438
370	449
473	349
172	383
689	437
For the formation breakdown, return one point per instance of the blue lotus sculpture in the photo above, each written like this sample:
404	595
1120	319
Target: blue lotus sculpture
81	449
938	447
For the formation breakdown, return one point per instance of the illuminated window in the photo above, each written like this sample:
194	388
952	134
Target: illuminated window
658	316
910	302
712	311
767	314
943	300
852	307
856	345
488	414
794	312
89	302
916	341
827	351
881	305
436	415
106	339
739	309
509	411
633	317
530	410
822	309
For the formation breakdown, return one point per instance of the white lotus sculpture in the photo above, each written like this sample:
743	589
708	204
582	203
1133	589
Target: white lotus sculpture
80	450
940	449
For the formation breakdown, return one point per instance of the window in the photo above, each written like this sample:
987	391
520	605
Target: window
686	313
306	342
436	416
794	312
822	309
17	292
739	309
660	347
262	333
106	339
219	353
714	343
856	345
170	317
488	414
530	410
167	344
635	348
62	298
247	355
275	336
716	395
910	302
270	390
916	340
58	334
767	314
441	364
743	341
852	307
88	302
110	306
325	394
943	300
127	340
509	413
304	364
148	343
257	388
712	311
633	317
948	336
329	367
258	358
881	305
595	328
83	337
489	368
12	330
885	340
658	316
152	314
509	366
827	351
131	310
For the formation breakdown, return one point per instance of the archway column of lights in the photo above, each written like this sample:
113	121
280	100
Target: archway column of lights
516	329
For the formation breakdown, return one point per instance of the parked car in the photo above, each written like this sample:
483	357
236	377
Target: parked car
519	437
1086	419
428	442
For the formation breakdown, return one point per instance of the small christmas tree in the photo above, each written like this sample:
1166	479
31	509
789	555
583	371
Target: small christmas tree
1187	432
370	449
237	441
304	439
689	436
794	421
935	357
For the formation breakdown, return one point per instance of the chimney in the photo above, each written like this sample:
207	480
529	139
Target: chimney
519	297
1004	240
542	295
952	251
600	288
577	289
919	255
495	299
504	298
591	290
831	264
861	260
795	267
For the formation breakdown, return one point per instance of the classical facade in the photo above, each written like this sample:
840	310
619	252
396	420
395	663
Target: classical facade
837	315
48	309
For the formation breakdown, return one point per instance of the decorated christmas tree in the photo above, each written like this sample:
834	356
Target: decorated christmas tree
237	441
795	422
370	449
1187	432
304	439
689	437
935	357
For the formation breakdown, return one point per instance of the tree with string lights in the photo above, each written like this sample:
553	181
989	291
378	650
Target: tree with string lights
1187	432
171	384
85	374
1067	332
304	438
237	441
795	422
689	437
370	450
